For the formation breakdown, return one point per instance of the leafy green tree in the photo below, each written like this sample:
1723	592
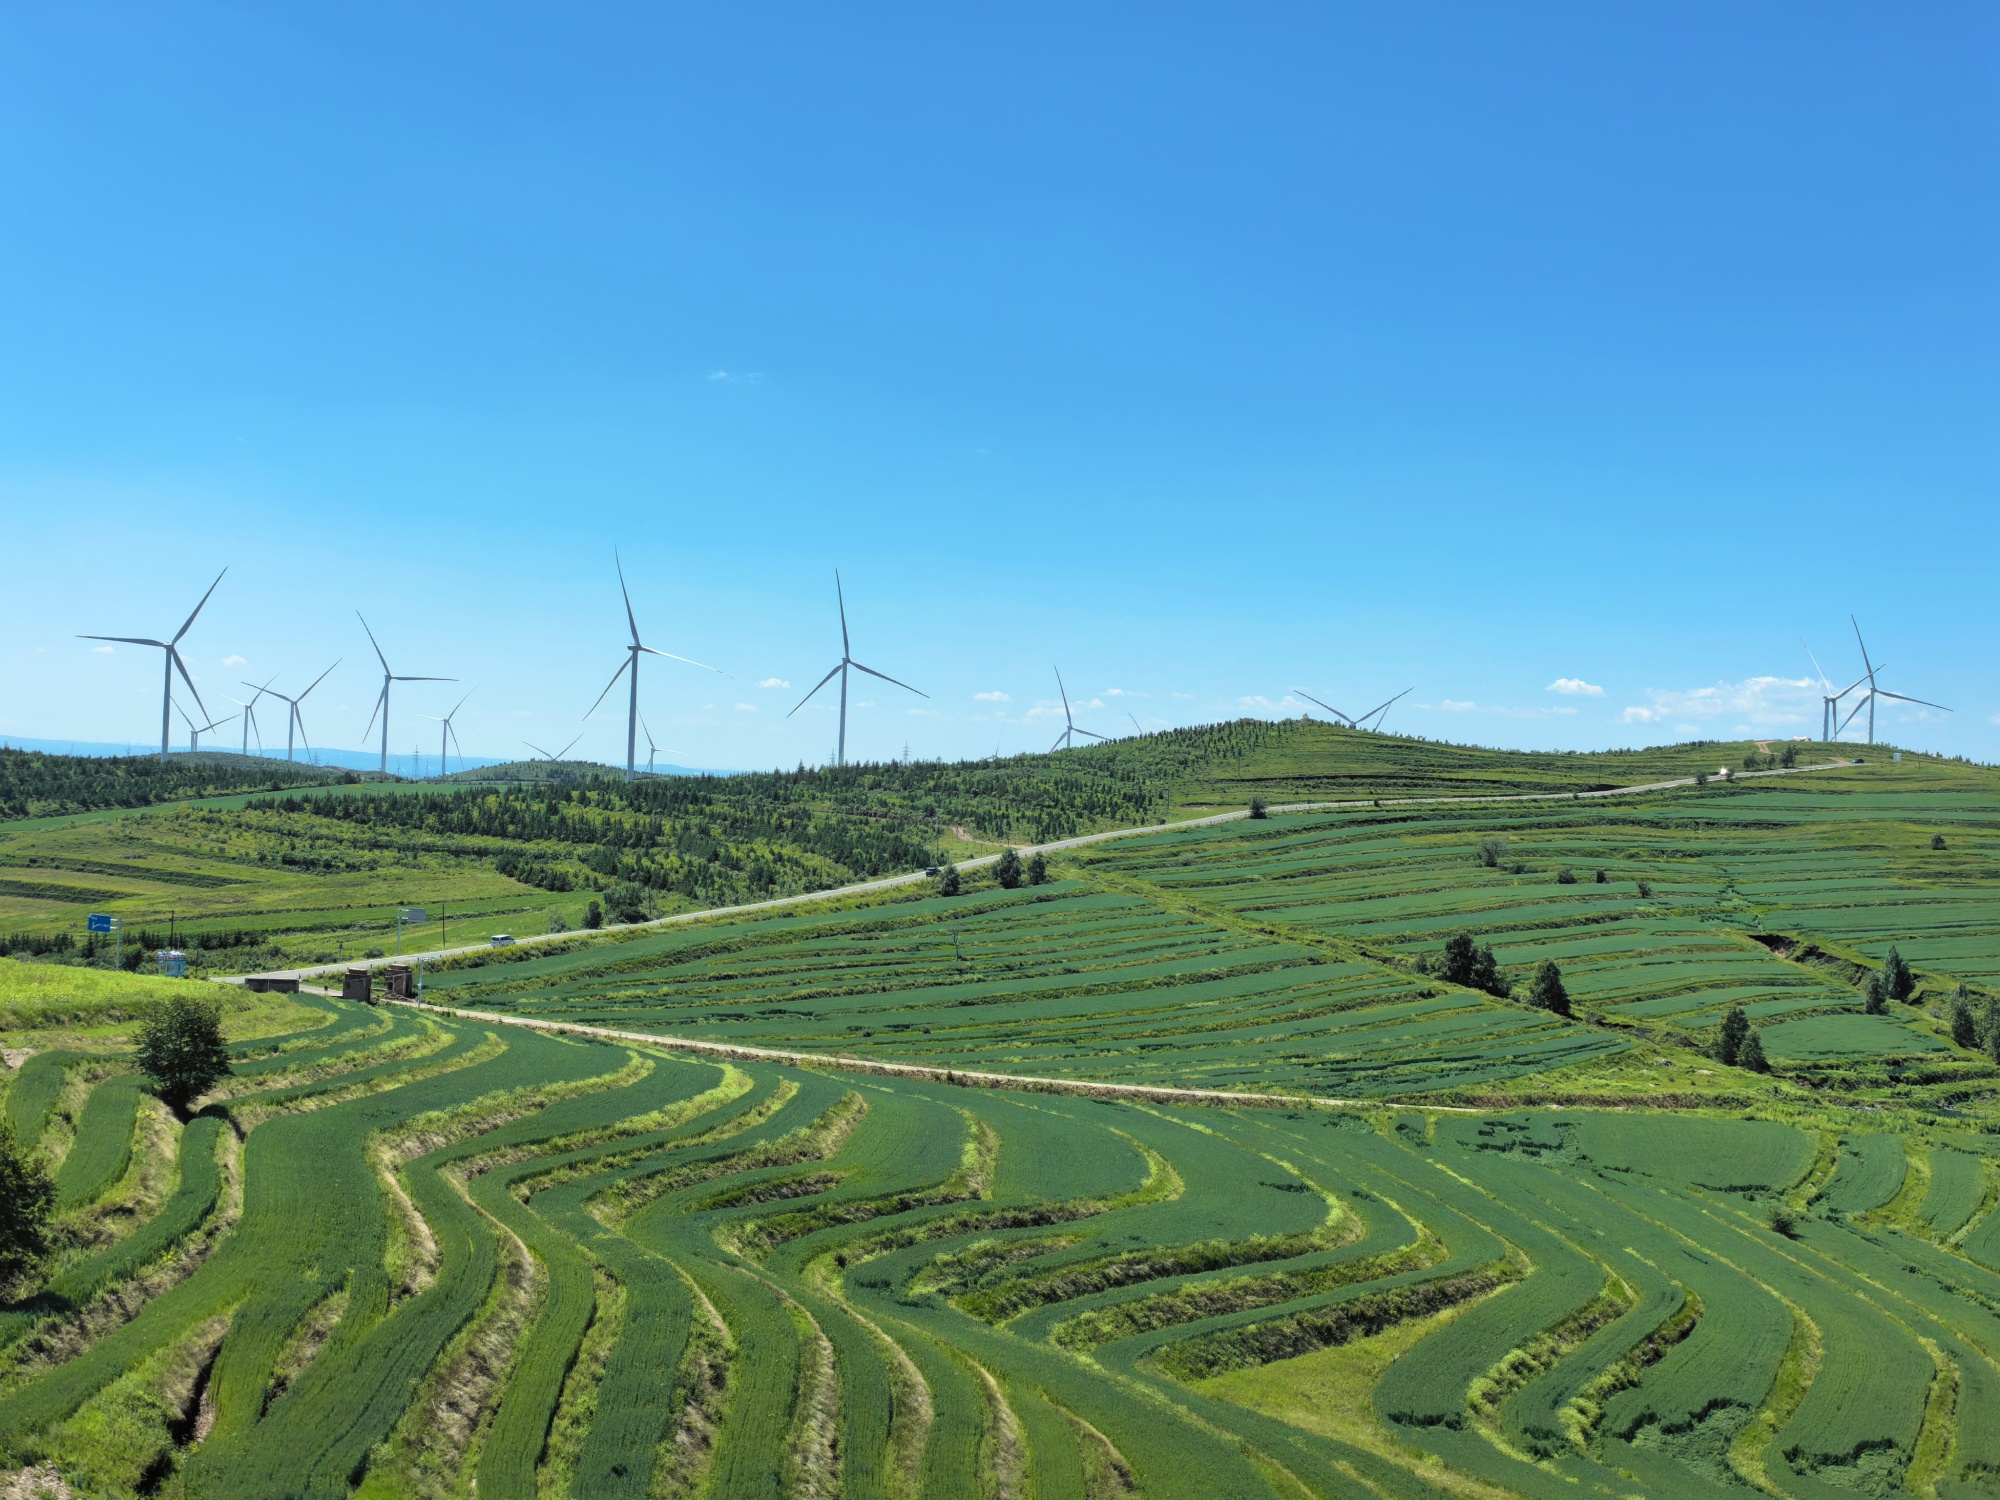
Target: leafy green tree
1752	1055
1964	1025
1782	1220
1989	1028
1877	1002
1547	992
1937	841
1008	870
593	916
181	1049
1492	849
1898	976
1038	869
1602	878
1459	955
27	1201
1565	876
1790	758
1645	890
1734	1032
948	882
1257	809
625	901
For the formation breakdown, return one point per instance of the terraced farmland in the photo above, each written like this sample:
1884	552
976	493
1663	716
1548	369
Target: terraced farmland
416	1256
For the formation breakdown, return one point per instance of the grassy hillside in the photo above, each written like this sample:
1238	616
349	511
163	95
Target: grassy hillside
36	785
315	874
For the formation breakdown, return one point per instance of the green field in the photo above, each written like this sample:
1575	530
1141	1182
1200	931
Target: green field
1465	1248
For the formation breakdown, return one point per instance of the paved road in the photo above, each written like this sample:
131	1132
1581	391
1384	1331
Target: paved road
891	882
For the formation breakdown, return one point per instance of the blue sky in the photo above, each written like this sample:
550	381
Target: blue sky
1207	353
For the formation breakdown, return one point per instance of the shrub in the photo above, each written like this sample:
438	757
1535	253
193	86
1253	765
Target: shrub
1731	1036
1464	962
1646	890
593	916
1790	758
1937	841
181	1049
625	901
1782	1220
1008	870
1038	869
948	882
365	953
27	1199
1878	995
1491	848
1547	992
557	921
1602	878
1257	808
1565	876
1898	976
1752	1055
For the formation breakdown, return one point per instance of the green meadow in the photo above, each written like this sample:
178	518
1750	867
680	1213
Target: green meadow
1462	1246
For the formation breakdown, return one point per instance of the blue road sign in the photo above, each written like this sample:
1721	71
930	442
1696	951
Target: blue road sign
99	922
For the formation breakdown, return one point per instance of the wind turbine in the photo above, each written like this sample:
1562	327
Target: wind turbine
196	731
382	702
558	755
295	724
1067	737
250	715
1829	700
631	664
1875	692
444	729
1380	711
847	660
1327	706
173	664
651	748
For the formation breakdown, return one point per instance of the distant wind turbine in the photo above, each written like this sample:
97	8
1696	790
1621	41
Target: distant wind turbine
295	724
546	755
173	664
651	748
1327	706
840	668
1875	692
196	731
1829	700
445	728
382	702
631	665
1380	711
1070	729
249	708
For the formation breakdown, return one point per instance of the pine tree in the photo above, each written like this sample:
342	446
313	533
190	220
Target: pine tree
1752	1055
1964	1026
1038	870
1548	992
27	1200
1878	995
1008	870
1897	973
1735	1030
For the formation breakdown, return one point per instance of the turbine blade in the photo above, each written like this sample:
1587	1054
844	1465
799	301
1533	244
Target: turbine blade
1816	666
1059	742
688	659
460	704
816	687
424	679
181	667
630	619
607	687
887	678
538	749
840	595
376	644
1863	644
380	699
319	679
569	747
197	609
1065	693
1327	706
129	640
1093	734
1901	698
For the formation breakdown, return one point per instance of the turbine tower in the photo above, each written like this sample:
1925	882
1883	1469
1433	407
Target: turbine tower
651	748
1829	700
1327	706
295	724
631	664
841	668
444	729
1070	730
173	664
249	708
382	702
1875	692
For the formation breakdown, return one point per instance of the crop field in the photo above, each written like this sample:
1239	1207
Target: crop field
406	1255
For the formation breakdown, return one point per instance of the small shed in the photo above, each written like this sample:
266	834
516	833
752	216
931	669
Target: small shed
402	981
273	984
358	984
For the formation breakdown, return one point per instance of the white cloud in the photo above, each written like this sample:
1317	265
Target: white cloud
1093	703
1754	703
774	682
1258	701
236	661
991	698
1458	706
723	377
1184	695
1122	693
1045	710
1575	686
746	708
104	650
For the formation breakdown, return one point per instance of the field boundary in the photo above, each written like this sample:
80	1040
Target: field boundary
957	1077
892	882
